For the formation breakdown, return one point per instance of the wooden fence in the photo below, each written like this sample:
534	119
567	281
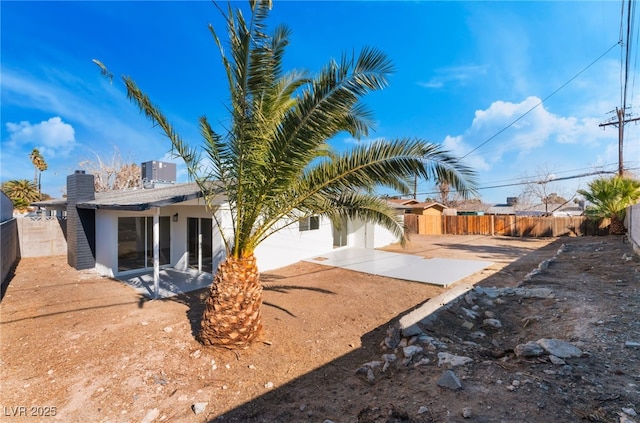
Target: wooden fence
504	225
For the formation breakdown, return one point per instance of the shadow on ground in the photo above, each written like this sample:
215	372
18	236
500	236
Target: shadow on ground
347	396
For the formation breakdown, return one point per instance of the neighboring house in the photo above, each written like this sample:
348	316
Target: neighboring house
420	217
127	231
417	207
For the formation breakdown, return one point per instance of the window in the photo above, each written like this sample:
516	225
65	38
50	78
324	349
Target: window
309	223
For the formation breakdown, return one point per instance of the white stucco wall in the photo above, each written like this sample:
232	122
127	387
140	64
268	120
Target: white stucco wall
289	245
283	248
368	235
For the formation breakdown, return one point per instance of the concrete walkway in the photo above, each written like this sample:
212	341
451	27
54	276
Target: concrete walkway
436	271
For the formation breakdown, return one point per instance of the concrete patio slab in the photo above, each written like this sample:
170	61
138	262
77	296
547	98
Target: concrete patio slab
172	282
436	271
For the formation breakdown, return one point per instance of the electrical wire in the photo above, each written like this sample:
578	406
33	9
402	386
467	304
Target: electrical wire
541	101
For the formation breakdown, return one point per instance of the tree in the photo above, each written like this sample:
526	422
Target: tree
114	174
274	164
40	165
609	198
21	192
538	190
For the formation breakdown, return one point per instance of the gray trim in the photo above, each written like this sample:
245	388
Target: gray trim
132	199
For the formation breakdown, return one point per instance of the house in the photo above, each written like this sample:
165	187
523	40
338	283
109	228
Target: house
423	218
124	232
412	206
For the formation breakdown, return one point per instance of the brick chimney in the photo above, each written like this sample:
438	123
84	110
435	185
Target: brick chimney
81	225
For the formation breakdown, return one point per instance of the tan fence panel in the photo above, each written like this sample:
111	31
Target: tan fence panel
429	224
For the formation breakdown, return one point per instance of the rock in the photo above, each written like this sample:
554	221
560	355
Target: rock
466	413
393	338
422	362
452	360
557	360
449	380
423	410
328	421
470	297
632	344
371	378
150	416
495	323
629	411
168	329
469	313
530	349
366	367
545	264
467	325
559	348
412	350
542	293
625	418
199	407
268	385
477	335
389	358
196	354
413	330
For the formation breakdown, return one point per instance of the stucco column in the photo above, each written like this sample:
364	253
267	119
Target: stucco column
156	252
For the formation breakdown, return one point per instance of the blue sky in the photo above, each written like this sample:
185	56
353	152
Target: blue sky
464	71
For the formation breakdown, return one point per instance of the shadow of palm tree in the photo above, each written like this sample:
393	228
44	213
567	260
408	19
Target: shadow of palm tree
194	300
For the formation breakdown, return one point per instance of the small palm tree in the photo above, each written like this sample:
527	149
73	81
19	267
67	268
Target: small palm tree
275	167
609	198
40	165
21	192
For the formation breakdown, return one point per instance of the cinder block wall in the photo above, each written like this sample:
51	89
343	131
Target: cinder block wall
43	237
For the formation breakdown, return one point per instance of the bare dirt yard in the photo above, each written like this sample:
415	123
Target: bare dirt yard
556	341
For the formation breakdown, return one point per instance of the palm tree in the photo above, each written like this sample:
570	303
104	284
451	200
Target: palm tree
40	165
274	163
609	198
21	192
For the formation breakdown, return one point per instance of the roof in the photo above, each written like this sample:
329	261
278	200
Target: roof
134	199
414	204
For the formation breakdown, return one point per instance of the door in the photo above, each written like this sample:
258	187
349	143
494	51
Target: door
200	243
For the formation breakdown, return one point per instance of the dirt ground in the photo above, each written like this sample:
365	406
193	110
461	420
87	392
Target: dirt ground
76	347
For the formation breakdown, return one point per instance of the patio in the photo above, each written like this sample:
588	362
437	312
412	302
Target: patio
171	282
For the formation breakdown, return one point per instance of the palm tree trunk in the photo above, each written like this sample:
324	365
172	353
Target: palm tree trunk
616	227
232	317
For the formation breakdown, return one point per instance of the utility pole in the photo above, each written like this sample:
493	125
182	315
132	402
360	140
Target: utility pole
620	122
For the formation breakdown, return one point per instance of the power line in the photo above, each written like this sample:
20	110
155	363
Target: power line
521	183
541	101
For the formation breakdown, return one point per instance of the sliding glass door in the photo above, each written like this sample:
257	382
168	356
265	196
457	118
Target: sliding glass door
135	242
200	243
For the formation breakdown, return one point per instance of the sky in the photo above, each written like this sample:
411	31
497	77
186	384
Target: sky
517	90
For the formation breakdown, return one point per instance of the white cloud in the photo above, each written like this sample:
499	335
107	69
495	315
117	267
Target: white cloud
53	137
459	75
